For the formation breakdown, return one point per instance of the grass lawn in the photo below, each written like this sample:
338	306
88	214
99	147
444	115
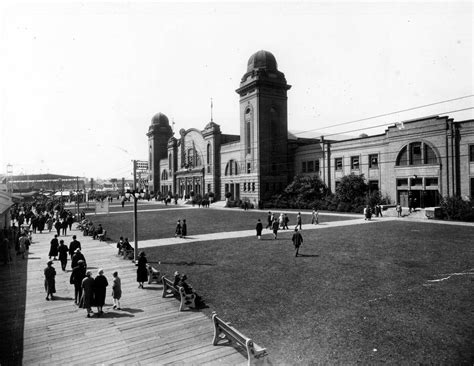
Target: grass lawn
358	294
161	223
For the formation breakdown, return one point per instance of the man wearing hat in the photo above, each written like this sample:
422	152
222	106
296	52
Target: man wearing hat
77	257
74	245
77	275
49	280
297	240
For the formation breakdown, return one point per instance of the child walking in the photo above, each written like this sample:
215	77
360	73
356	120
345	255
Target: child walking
116	290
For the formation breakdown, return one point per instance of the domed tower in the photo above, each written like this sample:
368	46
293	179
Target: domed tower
158	135
264	124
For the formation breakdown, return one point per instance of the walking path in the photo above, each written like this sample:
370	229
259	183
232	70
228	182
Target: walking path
148	330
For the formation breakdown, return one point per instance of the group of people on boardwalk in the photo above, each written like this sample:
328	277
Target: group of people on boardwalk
181	229
88	290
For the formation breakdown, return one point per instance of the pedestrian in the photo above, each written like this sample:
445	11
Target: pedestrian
281	220
259	229
53	248
100	287
367	213
269	220
75	244
184	229
286	220
77	275
87	298
57	226
315	217
23	244
116	290
399	210
298	220
120	246
275	226
49	223
63	251
297	240
177	231
142	271
49	280
78	256
64	226
70	221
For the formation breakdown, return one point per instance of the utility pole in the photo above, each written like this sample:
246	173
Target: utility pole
77	197
135	213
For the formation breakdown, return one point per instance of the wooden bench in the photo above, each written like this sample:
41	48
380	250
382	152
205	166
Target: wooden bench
103	236
153	274
186	300
225	333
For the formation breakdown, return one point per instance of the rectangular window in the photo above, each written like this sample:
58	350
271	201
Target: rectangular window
354	162
402	182
248	168
472	187
471	155
310	166
303	167
245	186
208	187
338	163
253	187
431	182
416	181
415	153
316	166
373	161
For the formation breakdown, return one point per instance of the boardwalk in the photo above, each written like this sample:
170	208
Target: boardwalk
148	330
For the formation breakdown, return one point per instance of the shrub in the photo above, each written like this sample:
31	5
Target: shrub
455	208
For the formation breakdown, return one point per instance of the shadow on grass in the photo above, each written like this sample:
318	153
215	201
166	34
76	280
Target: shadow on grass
308	255
193	263
130	310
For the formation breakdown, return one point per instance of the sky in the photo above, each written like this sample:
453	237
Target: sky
81	81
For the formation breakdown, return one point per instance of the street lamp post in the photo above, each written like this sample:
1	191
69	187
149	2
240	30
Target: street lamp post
136	194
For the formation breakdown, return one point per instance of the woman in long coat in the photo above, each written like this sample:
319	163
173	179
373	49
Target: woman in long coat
54	246
100	284
63	252
49	280
259	229
87	293
142	271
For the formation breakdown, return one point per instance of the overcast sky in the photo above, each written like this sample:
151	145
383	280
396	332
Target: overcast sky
81	81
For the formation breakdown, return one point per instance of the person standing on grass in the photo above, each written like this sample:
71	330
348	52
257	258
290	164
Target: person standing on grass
275	226
63	251
269	220
399	210
298	220
142	271
315	217
297	240
49	280
100	287
259	229
116	290
177	231
184	229
286	220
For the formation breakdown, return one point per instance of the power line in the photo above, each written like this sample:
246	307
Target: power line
389	114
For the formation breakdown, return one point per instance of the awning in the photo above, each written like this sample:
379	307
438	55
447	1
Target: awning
5	202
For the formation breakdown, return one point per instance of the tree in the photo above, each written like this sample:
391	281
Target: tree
305	188
352	188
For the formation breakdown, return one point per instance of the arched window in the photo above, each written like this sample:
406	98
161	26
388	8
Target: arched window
416	153
164	175
248	121
231	168
170	158
208	153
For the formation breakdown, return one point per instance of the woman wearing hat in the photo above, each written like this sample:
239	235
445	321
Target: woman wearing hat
142	271
100	284
49	280
87	293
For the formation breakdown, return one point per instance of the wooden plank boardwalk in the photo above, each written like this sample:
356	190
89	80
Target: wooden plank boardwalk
148	330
